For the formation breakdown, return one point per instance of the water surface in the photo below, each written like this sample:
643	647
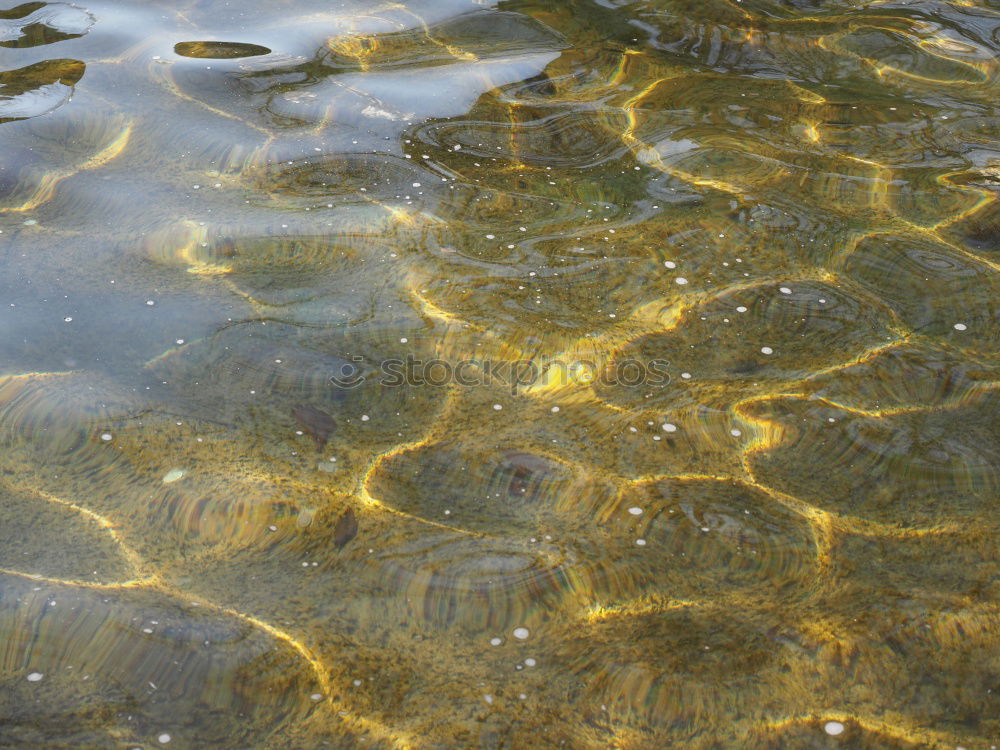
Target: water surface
460	374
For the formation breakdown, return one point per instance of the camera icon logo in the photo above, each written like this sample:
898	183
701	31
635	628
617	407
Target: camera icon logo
349	376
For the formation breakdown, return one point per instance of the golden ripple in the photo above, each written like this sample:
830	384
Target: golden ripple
896	269
754	336
90	549
41	158
911	375
132	652
511	489
890	51
660	673
476	585
897	467
701	538
978	231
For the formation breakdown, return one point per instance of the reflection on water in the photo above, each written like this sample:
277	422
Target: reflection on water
534	374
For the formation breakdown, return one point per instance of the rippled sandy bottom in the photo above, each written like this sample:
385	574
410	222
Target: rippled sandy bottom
221	527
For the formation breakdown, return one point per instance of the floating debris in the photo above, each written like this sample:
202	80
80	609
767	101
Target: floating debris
173	475
316	423
346	528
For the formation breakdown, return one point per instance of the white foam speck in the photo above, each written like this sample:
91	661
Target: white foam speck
960	326
784	290
529	662
681	280
635	511
670	427
735	433
106	436
163	739
640	542
498	407
766	350
35	676
521	633
741	308
669	264
173	475
316	696
833	727
496	641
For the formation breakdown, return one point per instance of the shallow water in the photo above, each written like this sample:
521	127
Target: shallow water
447	374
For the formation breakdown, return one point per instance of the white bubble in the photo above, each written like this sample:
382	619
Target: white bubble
529	662
163	738
106	436
498	407
496	641
766	350
784	290
521	633
150	302
35	676
681	280
67	319
635	511
316	696
735	433
669	264
741	308
555	409
670	427
365	417
833	727
640	542
960	326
